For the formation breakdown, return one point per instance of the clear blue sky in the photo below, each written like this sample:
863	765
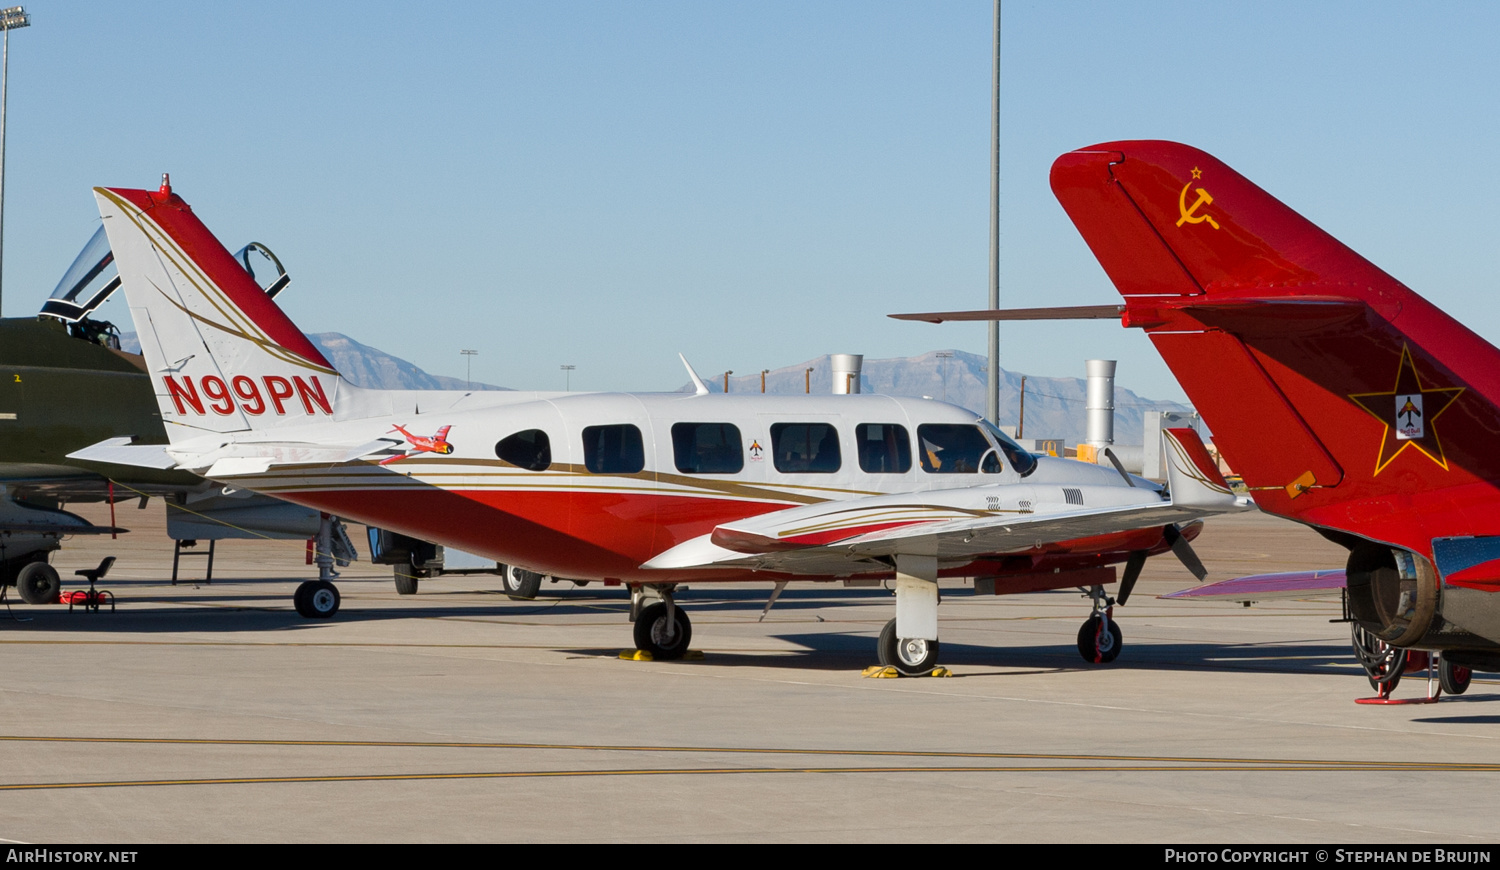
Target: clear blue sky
753	184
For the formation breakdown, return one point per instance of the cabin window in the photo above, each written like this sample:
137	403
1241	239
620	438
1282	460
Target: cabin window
707	448
530	449
884	448
948	448
805	448
613	449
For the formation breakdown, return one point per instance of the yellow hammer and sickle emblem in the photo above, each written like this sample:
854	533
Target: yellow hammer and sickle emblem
1188	212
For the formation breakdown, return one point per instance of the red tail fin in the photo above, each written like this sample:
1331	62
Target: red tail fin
1342	397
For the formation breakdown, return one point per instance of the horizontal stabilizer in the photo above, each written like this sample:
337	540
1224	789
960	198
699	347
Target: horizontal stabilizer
254	457
123	451
1071	312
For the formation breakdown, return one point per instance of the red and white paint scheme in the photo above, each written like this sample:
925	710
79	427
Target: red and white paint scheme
652	490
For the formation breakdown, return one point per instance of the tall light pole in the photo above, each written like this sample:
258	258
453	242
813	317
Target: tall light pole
945	355
567	377
469	366
992	402
13	18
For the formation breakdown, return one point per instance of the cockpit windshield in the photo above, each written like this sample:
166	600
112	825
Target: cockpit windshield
1023	462
264	267
87	283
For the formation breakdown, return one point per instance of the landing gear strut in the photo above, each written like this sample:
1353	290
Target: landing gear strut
319	599
661	628
909	643
1100	638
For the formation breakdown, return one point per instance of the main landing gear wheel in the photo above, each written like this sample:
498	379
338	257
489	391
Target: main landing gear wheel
1382	662
317	599
38	583
1453	678
406	580
1099	647
910	656
520	584
655	635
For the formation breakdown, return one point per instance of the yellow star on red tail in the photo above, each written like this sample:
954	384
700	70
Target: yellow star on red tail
1409	412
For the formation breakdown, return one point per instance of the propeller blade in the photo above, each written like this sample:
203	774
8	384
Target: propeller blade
1110	455
1184	551
1133	567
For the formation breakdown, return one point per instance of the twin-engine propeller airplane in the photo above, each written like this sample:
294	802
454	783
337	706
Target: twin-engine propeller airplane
1345	400
653	490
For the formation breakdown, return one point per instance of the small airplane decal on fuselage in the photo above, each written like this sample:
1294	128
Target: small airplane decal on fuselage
437	443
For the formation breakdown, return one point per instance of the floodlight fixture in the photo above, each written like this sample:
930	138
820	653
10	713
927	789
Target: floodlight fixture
468	366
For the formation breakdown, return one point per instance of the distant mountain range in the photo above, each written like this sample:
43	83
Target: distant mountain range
376	369
1054	406
364	365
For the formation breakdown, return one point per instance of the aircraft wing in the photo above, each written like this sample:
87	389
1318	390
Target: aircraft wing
958	526
1265	587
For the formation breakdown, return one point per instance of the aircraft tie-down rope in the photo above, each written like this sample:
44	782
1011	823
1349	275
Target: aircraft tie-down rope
187	510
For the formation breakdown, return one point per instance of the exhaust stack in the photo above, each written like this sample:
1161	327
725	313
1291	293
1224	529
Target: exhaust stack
846	371
1100	432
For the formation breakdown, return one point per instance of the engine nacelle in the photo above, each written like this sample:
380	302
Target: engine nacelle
1398	596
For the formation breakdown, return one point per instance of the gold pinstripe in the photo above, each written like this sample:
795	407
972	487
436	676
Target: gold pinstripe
242	326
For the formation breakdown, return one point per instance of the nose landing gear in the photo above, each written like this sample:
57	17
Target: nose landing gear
1100	638
662	629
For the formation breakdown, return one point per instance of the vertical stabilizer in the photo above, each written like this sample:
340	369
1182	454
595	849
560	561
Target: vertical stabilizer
222	356
1342	397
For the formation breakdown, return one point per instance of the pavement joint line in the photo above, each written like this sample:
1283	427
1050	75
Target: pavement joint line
1090	767
1231	763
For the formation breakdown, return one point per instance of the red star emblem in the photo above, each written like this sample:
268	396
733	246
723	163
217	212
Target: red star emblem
1408	412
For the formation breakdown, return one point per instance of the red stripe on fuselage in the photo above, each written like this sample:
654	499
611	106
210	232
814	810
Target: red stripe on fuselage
593	535
583	535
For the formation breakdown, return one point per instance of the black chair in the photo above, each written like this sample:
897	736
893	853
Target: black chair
91	599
